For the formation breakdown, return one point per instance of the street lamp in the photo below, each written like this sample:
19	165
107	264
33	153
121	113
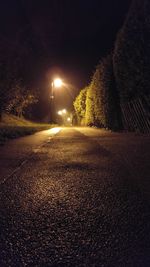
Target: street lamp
65	118
59	112
62	112
55	84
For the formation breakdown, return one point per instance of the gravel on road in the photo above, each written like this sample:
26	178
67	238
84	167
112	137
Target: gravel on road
77	203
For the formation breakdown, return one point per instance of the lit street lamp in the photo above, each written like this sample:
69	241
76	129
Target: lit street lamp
62	112
59	112
55	84
64	115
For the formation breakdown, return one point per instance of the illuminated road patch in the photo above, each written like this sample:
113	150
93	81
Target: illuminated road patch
54	130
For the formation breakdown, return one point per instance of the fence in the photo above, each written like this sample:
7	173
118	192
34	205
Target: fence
136	115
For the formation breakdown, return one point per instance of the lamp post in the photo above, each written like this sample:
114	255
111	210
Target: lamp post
56	83
66	116
63	114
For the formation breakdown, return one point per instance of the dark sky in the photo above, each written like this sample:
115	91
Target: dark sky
76	34
71	35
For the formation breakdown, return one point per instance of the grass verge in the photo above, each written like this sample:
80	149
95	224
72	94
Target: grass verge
12	127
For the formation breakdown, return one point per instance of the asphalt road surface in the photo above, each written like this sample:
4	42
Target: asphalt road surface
75	197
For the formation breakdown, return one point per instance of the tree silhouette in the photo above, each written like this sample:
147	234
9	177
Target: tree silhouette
132	53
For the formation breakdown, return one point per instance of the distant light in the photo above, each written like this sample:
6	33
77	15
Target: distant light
68	119
59	112
64	111
57	82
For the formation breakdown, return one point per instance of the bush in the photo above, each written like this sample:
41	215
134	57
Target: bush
102	100
89	115
132	53
80	105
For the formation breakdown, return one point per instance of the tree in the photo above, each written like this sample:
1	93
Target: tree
80	105
16	75
22	98
132	53
6	74
102	100
89	115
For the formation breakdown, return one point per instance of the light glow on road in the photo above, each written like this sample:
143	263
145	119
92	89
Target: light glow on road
54	130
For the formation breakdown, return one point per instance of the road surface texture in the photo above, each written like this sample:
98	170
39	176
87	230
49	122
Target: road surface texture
79	198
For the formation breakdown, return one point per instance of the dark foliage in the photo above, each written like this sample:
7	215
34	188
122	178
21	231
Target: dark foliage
80	105
132	53
102	97
16	76
90	114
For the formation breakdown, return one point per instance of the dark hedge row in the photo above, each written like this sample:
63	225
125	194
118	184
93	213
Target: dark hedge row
122	76
131	57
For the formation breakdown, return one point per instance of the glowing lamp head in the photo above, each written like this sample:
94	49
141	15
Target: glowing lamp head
64	111
60	112
68	119
57	82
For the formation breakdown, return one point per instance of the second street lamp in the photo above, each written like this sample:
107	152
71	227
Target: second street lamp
66	117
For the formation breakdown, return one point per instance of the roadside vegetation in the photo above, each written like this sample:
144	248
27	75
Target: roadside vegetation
116	98
12	127
119	92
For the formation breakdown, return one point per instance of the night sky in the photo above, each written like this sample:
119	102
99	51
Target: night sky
71	36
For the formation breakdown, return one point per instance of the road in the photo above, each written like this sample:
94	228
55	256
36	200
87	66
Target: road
80	197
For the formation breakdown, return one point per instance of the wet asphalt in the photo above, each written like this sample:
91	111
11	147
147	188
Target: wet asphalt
80	199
